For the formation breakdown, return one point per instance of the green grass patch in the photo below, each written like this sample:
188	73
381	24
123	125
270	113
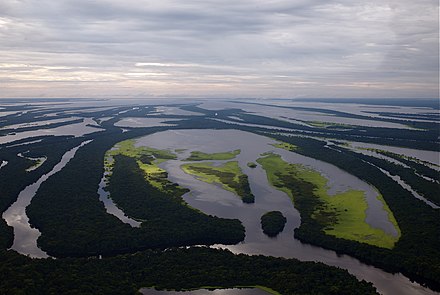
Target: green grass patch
341	215
320	124
285	146
38	162
148	160
228	175
200	156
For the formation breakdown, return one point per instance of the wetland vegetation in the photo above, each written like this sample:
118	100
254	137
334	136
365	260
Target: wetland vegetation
229	175
200	156
341	215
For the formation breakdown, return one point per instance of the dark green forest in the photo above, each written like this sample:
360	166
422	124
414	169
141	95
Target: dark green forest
176	269
273	223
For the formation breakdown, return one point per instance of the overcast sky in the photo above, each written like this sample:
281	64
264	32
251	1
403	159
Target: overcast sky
219	48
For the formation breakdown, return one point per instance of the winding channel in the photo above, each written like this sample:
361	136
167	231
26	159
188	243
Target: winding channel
214	200
110	206
25	236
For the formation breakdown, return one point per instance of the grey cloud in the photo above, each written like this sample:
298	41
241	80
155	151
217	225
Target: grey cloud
261	47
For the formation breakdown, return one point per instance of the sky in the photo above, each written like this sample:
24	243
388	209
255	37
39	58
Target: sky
219	48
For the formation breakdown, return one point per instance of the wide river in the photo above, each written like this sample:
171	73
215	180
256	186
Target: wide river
214	200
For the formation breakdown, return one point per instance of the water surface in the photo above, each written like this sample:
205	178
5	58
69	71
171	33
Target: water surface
235	291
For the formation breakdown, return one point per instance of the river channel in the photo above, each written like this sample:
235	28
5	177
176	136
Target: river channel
26	236
214	200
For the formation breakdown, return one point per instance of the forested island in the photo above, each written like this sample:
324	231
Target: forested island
273	223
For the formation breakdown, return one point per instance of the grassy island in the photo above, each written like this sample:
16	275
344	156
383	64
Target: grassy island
341	215
37	163
200	156
273	223
285	146
229	175
148	160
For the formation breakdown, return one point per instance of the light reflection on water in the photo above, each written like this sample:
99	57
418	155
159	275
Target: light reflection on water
77	129
292	115
144	122
428	156
235	291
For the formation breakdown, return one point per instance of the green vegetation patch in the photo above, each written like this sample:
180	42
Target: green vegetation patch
320	124
148	160
341	215
252	165
273	223
37	163
200	156
285	146
229	175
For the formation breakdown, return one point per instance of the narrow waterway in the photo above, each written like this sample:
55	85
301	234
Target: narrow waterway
25	236
396	178
110	206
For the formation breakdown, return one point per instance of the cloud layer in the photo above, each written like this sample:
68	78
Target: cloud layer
224	48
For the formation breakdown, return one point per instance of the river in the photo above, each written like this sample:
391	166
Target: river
212	199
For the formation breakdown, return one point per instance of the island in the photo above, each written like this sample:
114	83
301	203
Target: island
228	175
273	223
252	165
200	156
